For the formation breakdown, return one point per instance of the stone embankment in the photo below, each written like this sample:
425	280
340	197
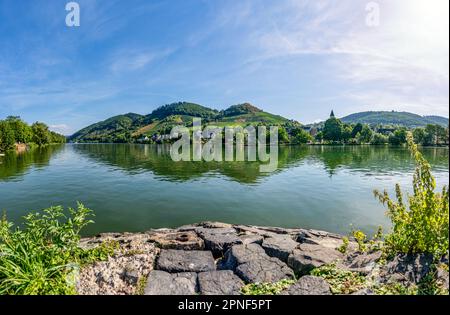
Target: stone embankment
219	259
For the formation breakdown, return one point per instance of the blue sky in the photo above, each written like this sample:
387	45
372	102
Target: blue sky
299	59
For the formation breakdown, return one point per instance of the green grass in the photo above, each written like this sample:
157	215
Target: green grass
142	283
42	257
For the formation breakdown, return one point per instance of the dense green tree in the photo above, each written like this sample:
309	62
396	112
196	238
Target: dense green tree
441	135
431	134
332	129
7	138
435	134
419	135
41	134
365	135
398	136
347	133
57	138
22	132
283	136
379	138
357	129
301	136
319	136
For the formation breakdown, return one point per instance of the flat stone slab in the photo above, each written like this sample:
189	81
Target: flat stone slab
164	283
221	282
188	240
323	238
252	264
279	247
310	256
219	240
172	260
309	285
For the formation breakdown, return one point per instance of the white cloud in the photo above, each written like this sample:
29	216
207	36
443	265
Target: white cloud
403	62
60	128
134	60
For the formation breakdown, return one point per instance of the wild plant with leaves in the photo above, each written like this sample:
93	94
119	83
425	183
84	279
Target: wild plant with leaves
420	225
40	257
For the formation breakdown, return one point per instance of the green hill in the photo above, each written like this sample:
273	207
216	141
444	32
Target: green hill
438	120
406	119
124	128
182	109
114	129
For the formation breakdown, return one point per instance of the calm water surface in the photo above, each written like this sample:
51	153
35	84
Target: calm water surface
137	187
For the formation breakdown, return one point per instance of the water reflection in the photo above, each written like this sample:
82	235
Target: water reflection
14	165
372	160
134	159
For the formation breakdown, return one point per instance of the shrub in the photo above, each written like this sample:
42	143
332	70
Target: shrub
361	239
340	281
422	225
343	248
41	257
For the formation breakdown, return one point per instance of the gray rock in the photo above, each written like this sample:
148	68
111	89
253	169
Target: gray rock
407	268
222	282
309	256
215	225
277	230
120	273
309	285
264	270
304	236
187	240
164	283
322	238
240	254
252	264
172	260
251	238
254	230
131	275
218	240
279	247
223	230
362	262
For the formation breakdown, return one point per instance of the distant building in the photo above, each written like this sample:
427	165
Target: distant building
332	114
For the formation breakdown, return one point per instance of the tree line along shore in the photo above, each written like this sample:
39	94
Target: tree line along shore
15	134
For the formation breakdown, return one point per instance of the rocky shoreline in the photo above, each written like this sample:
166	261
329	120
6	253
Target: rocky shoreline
218	258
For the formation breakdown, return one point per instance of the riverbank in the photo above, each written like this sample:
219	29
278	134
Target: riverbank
224	259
